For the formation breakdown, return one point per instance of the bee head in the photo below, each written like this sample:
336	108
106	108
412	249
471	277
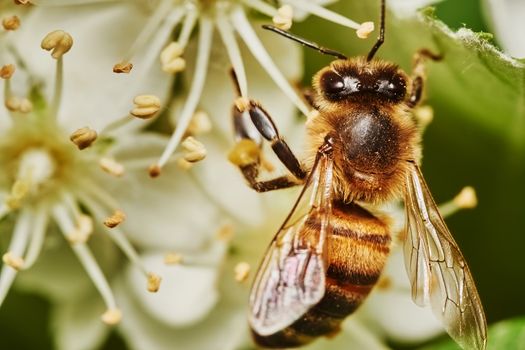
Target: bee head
354	80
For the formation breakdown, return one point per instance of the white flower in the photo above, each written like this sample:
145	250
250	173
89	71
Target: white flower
55	180
506	17
152	23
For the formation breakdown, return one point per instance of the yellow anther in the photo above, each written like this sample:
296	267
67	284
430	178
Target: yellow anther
225	232
154	170
146	106
195	150
83	137
153	282
245	152
172	259
283	18
7	71
467	198
111	166
25	106
13	261
11	23
364	30
122	67
112	317
242	104
424	115
116	219
200	123
242	271
171	60
58	42
19	190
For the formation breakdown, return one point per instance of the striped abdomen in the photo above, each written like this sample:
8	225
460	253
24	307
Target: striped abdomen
358	247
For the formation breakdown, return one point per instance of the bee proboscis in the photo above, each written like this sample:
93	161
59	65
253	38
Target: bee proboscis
330	251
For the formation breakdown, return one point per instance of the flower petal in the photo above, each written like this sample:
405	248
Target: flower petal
223	329
76	323
391	310
102	33
160	212
507	20
187	293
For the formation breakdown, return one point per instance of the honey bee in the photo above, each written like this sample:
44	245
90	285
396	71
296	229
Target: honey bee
330	251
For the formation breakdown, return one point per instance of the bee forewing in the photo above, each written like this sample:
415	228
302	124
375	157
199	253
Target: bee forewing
437	270
291	278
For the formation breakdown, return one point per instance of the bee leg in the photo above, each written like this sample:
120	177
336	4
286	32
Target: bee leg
266	127
418	75
247	152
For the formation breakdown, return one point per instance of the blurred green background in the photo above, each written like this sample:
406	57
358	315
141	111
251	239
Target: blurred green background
458	151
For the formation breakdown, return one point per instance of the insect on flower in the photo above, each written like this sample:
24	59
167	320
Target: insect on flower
330	251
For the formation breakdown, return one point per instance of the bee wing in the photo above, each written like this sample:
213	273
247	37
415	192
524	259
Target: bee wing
437	270
291	277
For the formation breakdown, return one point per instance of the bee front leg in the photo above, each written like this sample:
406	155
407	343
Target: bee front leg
418	75
247	152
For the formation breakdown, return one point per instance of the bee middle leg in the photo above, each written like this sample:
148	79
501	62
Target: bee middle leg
418	74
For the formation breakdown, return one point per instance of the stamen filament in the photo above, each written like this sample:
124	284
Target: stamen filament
261	7
199	77
59	84
40	220
245	30
187	27
16	248
320	11
228	38
160	13
84	255
92	189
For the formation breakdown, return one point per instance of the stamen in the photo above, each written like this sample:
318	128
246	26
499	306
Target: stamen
111	317
36	242
11	23
65	223
245	30
187	27
195	150
225	233
115	219
118	237
465	199
262	7
173	259
242	104
199	124
16	249
153	282
18	192
154	170
199	77
22	2
424	116
146	106
83	137
16	262
170	58
364	30
242	271
184	164
162	10
283	18
230	43
122	67
7	71
89	189
323	12
58	42
111	166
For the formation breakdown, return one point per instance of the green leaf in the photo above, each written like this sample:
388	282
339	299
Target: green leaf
505	335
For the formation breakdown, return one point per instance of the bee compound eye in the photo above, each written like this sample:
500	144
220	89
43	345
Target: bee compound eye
332	83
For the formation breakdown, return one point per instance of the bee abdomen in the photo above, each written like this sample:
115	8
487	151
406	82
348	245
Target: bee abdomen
358	248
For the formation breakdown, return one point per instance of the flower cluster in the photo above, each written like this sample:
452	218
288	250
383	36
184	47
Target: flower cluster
74	163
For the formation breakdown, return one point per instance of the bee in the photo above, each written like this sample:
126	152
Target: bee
364	150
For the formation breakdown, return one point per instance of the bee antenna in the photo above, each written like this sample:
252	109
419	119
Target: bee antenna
304	42
381	38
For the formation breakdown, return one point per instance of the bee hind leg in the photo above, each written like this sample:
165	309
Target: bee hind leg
418	75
